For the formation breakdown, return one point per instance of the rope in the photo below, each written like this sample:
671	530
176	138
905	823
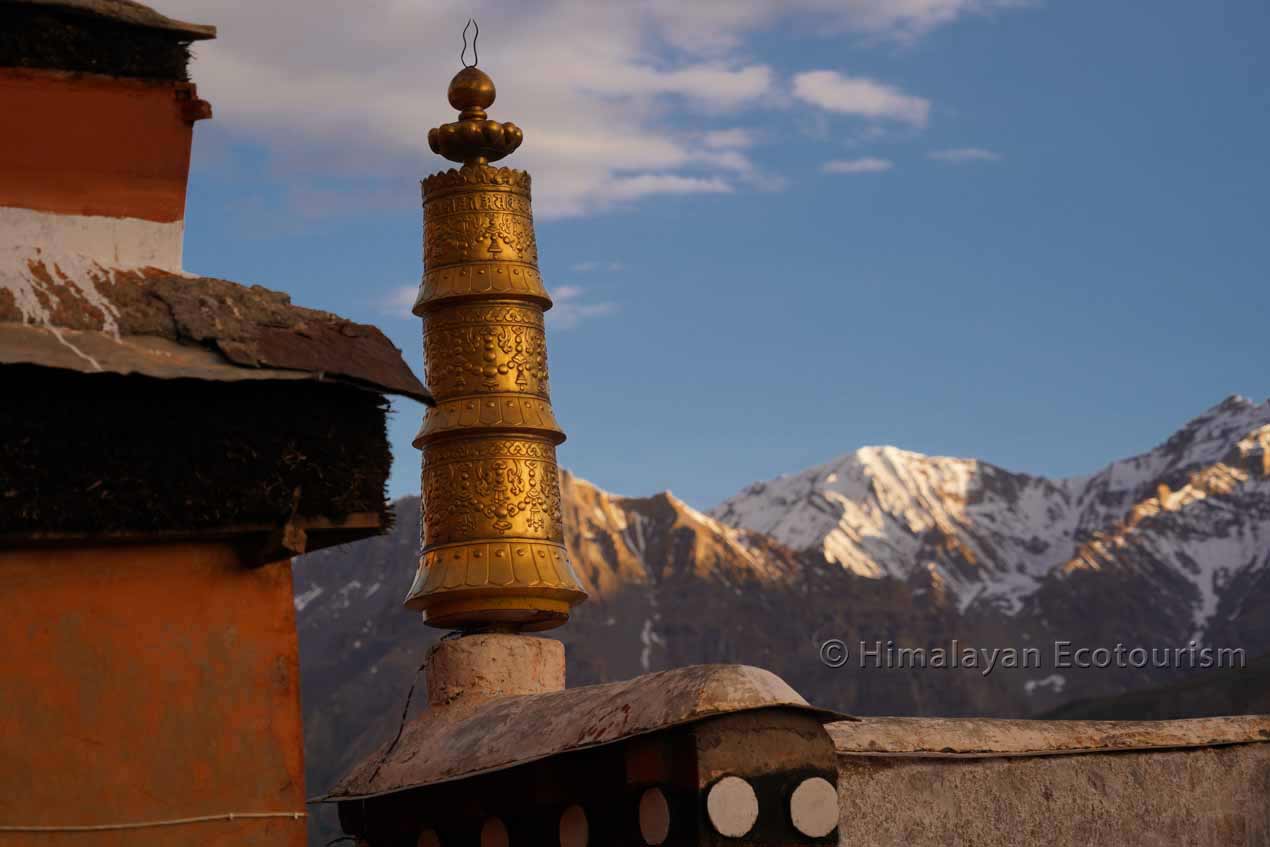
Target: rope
105	827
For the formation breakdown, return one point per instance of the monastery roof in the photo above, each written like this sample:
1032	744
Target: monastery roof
458	741
168	325
131	13
993	738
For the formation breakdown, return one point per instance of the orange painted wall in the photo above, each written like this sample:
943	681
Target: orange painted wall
84	144
148	682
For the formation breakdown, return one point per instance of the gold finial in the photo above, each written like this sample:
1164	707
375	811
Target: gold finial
473	139
493	534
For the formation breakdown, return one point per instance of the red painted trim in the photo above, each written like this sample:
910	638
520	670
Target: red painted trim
85	144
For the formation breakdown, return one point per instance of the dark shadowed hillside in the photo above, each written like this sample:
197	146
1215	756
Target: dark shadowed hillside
1229	691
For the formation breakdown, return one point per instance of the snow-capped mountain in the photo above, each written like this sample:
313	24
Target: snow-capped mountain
880	546
1196	508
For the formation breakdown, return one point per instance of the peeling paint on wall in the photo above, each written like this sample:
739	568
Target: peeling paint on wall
77	254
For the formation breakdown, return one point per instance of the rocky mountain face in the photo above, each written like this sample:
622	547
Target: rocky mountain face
1188	516
908	560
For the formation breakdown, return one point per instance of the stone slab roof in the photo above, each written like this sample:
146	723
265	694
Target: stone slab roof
168	325
131	13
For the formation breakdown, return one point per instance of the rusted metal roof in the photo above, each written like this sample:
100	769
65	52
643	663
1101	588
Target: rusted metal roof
132	13
991	738
167	325
454	742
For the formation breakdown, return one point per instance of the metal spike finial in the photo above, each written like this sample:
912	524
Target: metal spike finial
473	139
471	22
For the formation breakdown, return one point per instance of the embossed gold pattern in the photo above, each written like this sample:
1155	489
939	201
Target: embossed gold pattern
476	236
493	489
493	538
500	348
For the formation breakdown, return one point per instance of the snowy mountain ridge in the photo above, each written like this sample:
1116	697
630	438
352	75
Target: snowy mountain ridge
986	535
882	544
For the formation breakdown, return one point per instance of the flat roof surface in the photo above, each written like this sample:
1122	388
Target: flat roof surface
991	738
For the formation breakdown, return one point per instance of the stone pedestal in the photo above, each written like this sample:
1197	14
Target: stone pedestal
479	667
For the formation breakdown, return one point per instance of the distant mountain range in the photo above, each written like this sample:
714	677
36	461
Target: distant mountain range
1189	518
885	550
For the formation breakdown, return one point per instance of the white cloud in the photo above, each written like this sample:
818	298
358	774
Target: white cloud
708	26
867	165
860	96
728	139
592	266
398	302
571	306
961	155
570	310
905	20
717	86
633	187
723	151
603	89
729	160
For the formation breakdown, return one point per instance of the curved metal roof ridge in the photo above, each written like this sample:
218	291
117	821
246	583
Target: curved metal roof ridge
455	742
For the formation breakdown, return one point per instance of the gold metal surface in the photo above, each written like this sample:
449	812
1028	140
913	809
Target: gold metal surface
493	542
474	139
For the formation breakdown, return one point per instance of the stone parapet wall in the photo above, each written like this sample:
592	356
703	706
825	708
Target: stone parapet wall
914	782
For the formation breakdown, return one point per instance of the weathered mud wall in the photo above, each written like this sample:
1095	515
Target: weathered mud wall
143	684
942	784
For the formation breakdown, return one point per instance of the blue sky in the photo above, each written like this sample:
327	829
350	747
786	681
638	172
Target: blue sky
1031	233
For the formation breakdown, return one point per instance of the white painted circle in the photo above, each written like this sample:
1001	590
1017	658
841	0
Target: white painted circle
654	816
429	838
814	807
574	831
732	806
493	833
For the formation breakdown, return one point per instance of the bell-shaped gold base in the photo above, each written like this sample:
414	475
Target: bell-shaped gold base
528	584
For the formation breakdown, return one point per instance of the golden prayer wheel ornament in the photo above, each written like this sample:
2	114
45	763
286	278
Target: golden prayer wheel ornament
493	537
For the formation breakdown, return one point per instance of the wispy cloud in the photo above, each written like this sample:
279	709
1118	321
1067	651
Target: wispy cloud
866	165
724	149
570	308
729	160
719	26
603	90
592	266
719	86
398	302
633	187
735	138
962	155
860	96
907	20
